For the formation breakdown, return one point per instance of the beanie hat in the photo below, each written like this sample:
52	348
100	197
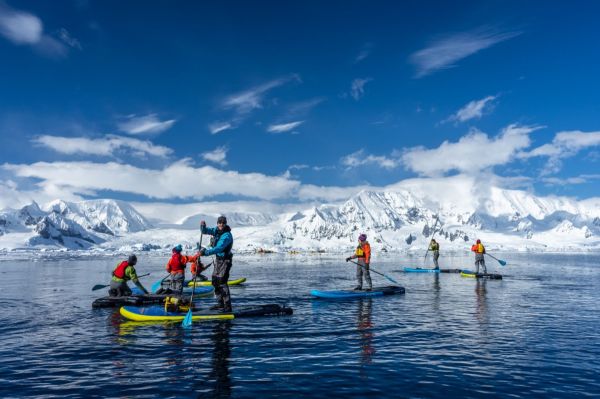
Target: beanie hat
222	219
362	237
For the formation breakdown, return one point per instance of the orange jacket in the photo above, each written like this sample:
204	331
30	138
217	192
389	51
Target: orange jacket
177	263
478	248
363	251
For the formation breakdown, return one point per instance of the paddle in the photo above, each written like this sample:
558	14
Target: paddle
99	286
187	320
502	262
158	284
437	219
375	271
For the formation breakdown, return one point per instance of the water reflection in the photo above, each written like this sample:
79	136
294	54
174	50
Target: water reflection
365	329
481	294
219	380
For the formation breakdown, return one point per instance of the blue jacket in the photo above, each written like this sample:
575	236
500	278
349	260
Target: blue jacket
226	240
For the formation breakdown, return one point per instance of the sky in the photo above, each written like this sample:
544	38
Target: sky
295	102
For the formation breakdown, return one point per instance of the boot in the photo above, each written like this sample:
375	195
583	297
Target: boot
357	288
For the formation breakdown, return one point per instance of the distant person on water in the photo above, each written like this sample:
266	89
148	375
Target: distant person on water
124	272
176	267
221	244
479	250
435	248
363	254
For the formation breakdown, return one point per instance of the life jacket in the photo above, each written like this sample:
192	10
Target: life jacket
227	251
363	251
478	248
177	263
119	271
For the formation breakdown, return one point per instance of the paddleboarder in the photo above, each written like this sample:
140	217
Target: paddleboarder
176	267
221	245
479	250
124	272
363	254
435	248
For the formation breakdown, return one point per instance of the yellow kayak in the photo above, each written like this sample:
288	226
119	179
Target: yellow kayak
206	283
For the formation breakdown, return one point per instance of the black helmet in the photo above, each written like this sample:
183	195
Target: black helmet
222	219
132	260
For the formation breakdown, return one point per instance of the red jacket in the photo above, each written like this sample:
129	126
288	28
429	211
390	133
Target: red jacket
177	263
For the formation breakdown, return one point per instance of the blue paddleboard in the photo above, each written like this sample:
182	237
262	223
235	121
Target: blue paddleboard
419	270
342	294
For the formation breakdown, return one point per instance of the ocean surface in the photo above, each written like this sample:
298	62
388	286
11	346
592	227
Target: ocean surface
536	333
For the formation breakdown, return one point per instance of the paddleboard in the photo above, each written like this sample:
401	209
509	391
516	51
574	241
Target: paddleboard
489	276
450	270
158	313
199	291
342	294
207	283
420	270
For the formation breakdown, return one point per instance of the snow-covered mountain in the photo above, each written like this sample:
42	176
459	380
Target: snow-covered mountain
395	220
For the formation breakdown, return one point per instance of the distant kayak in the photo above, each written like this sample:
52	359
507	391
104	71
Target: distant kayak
489	276
342	294
158	313
420	270
207	283
199	291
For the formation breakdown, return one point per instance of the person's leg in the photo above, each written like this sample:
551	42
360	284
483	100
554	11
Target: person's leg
436	255
367	274
359	273
178	282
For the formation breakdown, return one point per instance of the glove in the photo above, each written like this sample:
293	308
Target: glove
202	224
348	259
202	251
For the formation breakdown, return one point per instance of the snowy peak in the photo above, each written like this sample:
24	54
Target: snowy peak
102	216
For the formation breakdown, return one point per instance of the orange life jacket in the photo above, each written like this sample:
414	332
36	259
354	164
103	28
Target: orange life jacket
364	251
119	271
478	248
177	263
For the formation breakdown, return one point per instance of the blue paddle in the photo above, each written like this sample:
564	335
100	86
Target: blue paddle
158	284
502	263
187	320
375	271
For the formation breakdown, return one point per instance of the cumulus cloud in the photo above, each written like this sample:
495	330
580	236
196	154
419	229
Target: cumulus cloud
171	182
23	28
359	158
218	155
565	144
106	146
472	153
473	109
445	52
284	127
146	124
357	88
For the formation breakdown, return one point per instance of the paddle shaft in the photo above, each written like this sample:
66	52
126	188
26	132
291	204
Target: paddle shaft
158	284
375	271
502	262
187	320
100	286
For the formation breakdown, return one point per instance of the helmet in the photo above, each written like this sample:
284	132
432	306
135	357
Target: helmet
222	219
132	260
362	237
478	241
178	248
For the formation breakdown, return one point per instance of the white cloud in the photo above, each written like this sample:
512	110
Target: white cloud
473	109
145	124
472	153
23	28
171	182
252	99
364	53
66	37
581	179
445	52
217	155
359	158
564	145
218	127
284	127
106	146
357	89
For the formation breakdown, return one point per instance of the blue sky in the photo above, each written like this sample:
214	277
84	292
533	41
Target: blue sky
294	101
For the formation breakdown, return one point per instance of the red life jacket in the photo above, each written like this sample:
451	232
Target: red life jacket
119	271
177	263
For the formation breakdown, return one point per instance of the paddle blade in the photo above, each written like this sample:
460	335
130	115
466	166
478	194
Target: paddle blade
156	286
99	286
187	320
503	263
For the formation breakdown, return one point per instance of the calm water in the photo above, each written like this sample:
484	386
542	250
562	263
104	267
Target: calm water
535	333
